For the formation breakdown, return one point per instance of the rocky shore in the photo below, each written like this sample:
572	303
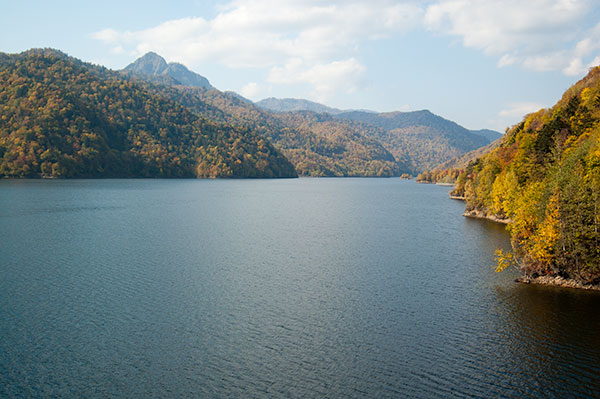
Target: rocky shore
557	281
477	214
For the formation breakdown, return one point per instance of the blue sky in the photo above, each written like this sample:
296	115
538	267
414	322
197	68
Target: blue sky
481	63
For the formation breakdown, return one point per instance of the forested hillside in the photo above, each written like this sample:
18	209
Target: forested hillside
65	118
449	171
330	147
356	143
60	117
420	138
317	145
545	179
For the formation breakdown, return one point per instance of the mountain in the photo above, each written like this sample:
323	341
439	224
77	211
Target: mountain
544	179
155	68
321	145
150	64
449	171
294	104
490	135
420	138
65	118
316	147
325	141
316	144
238	96
463	161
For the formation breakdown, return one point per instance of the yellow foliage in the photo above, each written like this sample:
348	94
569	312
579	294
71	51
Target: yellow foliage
585	94
543	243
504	260
504	193
593	160
525	211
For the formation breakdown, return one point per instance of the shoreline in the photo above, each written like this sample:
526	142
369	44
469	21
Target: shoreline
554	281
476	214
557	281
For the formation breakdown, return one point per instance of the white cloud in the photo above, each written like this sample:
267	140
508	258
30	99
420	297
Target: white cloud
117	50
251	90
318	43
520	109
576	67
345	76
107	35
324	36
541	35
506	60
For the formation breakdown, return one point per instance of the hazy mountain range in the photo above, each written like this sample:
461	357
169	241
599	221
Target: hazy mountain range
295	104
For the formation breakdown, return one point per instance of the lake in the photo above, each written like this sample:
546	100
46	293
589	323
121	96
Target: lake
365	288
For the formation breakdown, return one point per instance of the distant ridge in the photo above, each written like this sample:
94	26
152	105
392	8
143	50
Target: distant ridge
295	104
463	161
238	96
419	140
401	120
154	66
422	139
491	135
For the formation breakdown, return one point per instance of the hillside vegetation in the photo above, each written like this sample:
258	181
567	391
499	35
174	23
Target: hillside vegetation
320	140
449	171
418	140
316	144
321	145
60	117
545	178
421	139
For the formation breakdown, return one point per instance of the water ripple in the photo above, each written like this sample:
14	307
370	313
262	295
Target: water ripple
359	288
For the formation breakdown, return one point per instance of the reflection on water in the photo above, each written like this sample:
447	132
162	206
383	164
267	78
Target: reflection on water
308	287
553	335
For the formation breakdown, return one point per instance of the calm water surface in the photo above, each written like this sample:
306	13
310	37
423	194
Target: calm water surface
363	288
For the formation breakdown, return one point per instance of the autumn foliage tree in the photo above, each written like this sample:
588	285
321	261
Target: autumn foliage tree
545	177
60	117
